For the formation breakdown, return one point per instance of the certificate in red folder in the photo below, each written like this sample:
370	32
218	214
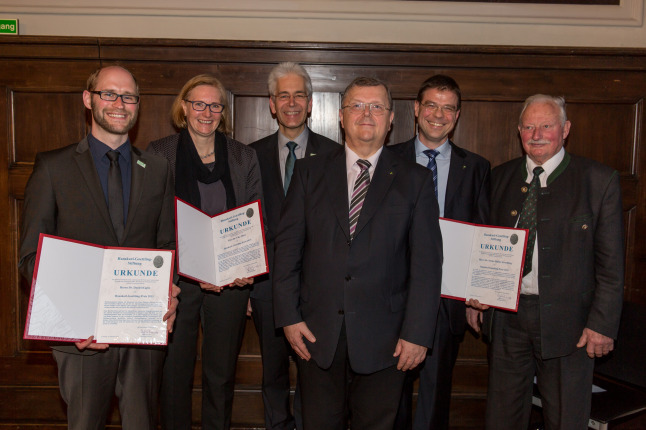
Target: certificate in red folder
117	295
482	262
218	249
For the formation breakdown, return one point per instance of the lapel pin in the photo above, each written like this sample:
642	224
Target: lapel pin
464	166
141	163
312	154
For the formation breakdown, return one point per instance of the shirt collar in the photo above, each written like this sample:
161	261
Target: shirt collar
99	149
549	166
420	148
301	139
351	158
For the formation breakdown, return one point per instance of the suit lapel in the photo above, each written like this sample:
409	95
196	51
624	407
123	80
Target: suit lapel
84	161
312	145
276	178
385	172
457	170
138	171
337	183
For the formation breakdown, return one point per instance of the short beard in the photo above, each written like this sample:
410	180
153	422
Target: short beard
103	123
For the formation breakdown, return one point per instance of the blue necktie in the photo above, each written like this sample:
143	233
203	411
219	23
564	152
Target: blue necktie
115	194
432	165
289	164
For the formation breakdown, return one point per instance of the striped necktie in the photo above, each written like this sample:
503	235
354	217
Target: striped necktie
359	194
432	165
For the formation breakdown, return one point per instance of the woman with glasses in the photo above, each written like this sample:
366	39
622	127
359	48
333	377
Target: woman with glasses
214	173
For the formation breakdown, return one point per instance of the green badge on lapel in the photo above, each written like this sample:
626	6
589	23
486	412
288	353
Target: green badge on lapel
141	163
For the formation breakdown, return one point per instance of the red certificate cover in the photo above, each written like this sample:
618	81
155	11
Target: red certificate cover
118	295
482	262
218	249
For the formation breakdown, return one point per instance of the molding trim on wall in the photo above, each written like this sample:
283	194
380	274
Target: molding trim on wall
338	21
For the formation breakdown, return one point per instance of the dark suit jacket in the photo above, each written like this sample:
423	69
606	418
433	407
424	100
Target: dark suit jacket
580	247
64	198
385	283
467	199
272	184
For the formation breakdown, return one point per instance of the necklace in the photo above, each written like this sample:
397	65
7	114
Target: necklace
207	155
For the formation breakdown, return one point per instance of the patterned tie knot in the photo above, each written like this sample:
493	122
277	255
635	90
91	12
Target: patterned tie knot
363	164
538	170
431	153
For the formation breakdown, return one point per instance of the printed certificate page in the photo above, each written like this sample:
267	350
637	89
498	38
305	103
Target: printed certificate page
221	248
117	295
482	262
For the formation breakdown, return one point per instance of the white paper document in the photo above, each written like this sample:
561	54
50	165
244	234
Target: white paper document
117	295
482	262
218	249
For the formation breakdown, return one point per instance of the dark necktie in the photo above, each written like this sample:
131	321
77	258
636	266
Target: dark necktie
528	218
289	164
359	194
432	165
115	194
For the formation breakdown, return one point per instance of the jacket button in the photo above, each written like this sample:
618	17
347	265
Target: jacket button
514	212
584	227
341	312
348	278
524	189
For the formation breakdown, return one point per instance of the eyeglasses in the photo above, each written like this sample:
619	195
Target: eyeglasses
298	97
446	110
376	109
201	106
109	96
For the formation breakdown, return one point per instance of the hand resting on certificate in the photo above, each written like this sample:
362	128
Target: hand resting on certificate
169	317
238	282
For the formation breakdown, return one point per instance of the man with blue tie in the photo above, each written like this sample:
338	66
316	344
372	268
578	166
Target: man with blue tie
290	100
461	181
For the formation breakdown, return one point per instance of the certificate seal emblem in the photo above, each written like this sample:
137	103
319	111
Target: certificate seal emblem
513	239
158	261
249	213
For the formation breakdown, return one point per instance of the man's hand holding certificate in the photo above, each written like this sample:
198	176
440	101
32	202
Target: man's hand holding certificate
116	295
482	263
220	249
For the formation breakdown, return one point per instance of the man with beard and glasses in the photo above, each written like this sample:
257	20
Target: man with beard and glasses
73	192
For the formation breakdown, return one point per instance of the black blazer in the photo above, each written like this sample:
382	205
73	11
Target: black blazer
580	247
384	284
467	199
64	197
272	184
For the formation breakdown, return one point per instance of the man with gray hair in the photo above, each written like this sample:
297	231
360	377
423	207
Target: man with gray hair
290	100
573	277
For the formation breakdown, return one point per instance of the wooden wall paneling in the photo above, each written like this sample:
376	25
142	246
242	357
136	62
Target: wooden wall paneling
253	119
42	79
43	121
8	234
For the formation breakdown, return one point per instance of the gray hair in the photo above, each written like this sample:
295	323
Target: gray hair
284	69
557	101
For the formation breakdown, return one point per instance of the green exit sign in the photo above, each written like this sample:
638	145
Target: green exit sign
8	26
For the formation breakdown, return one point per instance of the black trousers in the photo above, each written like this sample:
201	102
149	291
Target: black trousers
435	381
515	358
275	352
223	318
331	396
